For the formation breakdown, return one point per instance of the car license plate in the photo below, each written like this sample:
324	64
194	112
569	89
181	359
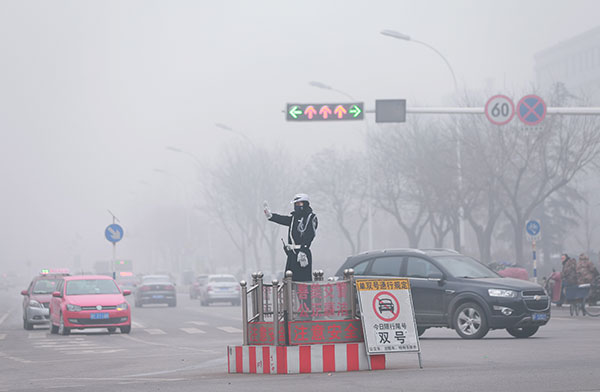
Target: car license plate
540	317
99	316
157	296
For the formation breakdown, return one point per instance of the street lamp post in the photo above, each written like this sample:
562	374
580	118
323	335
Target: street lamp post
405	37
369	184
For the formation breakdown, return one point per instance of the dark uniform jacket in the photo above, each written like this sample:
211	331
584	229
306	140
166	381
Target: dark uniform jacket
301	232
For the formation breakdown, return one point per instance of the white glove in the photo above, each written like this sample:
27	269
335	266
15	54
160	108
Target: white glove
266	210
302	259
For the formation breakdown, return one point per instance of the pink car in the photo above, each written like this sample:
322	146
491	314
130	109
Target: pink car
89	302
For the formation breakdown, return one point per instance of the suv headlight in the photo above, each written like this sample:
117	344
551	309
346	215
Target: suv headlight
122	306
34	304
502	293
73	308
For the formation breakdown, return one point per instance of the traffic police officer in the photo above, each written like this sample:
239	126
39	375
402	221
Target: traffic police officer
302	224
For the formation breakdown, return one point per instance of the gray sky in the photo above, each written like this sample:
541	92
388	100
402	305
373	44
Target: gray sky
91	93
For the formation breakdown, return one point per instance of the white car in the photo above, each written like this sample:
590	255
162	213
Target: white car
220	288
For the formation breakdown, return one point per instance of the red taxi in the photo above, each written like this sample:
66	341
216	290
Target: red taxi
93	301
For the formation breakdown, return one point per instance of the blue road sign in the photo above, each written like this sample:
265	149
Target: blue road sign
531	109
114	233
533	227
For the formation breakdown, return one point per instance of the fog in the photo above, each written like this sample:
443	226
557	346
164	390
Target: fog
92	94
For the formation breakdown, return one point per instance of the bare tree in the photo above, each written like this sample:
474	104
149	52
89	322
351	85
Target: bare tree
539	161
339	180
395	169
237	185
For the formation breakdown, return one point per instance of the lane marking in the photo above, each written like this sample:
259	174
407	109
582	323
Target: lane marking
207	364
200	323
4	317
33	335
105	351
192	330
135	324
230	329
155	331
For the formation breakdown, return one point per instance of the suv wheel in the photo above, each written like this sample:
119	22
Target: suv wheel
470	321
125	329
522	332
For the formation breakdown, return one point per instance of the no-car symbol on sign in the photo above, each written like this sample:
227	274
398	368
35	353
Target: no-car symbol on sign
500	109
386	306
531	109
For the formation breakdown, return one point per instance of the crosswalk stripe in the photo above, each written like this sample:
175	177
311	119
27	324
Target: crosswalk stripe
230	329
2	336
192	330
137	325
200	323
155	331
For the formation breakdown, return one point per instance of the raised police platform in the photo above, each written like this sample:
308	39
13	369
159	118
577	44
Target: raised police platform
316	325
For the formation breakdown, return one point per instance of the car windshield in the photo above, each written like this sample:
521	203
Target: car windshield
91	286
220	279
465	267
44	286
155	279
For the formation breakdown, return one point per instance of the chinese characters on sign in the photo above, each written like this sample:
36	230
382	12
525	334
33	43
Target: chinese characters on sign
321	301
387	315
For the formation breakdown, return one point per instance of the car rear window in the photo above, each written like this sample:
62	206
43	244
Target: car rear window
91	286
465	267
156	279
219	279
386	266
44	286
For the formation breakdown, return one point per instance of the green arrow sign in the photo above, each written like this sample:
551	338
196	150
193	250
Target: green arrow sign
355	111
295	112
341	111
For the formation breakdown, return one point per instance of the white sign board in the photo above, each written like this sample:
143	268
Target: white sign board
387	315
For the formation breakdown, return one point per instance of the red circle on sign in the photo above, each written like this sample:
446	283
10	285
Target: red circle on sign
512	110
540	117
381	305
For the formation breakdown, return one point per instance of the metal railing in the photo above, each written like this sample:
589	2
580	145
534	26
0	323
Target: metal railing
286	301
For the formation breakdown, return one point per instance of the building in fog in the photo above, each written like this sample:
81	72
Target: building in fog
574	63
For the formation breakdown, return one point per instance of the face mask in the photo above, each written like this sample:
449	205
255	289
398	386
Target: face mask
298	209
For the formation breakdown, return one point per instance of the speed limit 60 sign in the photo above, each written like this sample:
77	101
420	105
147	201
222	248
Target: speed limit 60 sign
500	109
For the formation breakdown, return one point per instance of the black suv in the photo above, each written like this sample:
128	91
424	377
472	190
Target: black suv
455	291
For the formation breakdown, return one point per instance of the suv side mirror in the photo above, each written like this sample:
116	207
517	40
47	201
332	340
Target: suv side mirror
126	292
436	276
57	294
24	292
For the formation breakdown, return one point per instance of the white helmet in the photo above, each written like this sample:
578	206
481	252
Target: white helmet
300	197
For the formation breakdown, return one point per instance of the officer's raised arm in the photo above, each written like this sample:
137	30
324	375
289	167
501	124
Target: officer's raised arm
281	219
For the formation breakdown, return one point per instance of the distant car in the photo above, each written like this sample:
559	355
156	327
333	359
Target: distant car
36	299
456	291
126	283
155	289
89	301
197	285
220	288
